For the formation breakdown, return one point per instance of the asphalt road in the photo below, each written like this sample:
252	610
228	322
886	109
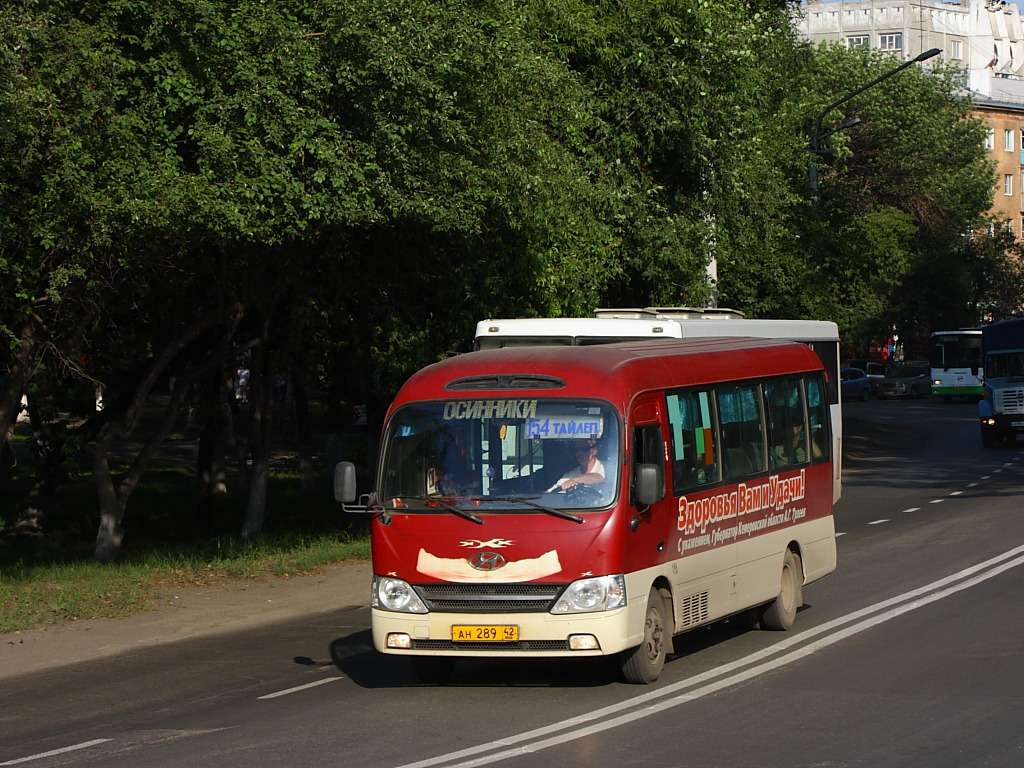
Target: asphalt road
909	655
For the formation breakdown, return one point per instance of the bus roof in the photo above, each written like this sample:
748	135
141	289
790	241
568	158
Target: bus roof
578	326
614	371
664	327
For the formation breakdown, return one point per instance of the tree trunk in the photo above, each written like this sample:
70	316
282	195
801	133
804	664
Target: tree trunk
42	499
19	373
111	532
215	420
260	393
303	435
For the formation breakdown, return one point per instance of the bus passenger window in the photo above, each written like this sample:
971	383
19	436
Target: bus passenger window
739	413
817	414
693	451
787	435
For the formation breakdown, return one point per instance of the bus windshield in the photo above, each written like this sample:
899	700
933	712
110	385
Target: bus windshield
487	455
1004	365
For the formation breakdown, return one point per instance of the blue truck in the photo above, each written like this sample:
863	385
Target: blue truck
1001	408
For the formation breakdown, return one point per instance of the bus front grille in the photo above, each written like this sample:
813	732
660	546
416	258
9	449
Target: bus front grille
518	647
489	598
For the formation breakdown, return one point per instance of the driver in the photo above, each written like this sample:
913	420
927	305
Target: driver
589	472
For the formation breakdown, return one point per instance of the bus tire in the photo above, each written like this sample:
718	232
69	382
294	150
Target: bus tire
643	664
781	612
435	670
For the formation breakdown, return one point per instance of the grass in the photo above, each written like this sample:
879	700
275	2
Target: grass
51	577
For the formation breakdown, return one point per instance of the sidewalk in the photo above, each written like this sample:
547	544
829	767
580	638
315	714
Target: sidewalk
187	613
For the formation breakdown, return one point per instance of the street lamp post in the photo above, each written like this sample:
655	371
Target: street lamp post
817	137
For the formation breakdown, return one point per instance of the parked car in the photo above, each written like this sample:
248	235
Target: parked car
909	380
875	369
854	384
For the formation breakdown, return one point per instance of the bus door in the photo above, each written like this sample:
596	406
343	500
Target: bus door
703	571
649	533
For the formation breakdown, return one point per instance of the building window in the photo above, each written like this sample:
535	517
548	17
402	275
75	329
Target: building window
990	140
858	41
891	43
1008	140
956	49
1008	184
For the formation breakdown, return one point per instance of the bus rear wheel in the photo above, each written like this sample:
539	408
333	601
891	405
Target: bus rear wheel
644	663
781	612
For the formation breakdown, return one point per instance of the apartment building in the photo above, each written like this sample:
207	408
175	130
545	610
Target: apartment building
984	37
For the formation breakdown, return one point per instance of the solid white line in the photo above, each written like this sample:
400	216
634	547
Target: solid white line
756	664
41	755
298	688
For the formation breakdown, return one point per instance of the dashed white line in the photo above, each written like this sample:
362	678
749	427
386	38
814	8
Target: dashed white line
956	493
936	501
912	509
51	753
298	688
878	522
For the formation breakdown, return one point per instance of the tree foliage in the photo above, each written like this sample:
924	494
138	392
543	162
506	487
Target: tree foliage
910	183
340	190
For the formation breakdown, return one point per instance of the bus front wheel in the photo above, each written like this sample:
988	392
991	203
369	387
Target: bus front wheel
644	663
781	612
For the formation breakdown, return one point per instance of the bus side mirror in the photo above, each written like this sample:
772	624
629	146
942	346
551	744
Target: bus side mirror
648	484
345	482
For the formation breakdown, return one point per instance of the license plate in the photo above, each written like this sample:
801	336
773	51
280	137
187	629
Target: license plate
1017	423
501	633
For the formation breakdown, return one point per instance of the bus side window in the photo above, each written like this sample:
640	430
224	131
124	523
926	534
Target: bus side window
694	453
743	444
787	433
817	415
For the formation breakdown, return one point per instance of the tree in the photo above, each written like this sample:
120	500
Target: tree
908	181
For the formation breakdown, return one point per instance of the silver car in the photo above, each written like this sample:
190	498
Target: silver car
910	380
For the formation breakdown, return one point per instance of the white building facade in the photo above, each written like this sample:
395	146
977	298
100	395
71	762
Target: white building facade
985	37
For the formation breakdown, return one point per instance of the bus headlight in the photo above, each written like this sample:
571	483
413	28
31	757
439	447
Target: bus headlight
395	595
600	593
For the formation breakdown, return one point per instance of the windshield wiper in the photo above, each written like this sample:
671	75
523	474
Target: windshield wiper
550	510
439	502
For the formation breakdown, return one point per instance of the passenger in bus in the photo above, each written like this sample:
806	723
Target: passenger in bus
589	472
795	452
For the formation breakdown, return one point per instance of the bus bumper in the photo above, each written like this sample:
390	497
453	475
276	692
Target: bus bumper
537	635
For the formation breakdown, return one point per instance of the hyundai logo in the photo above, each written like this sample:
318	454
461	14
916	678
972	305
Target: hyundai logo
487	561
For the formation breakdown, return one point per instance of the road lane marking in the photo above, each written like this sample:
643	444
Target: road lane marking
878	522
728	675
298	688
912	509
62	751
936	501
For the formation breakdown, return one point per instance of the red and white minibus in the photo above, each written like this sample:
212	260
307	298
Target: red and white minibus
581	501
